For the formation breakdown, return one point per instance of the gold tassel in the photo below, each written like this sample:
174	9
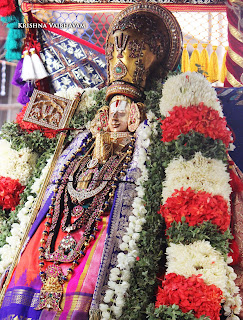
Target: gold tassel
204	58
195	58
223	68
185	66
213	66
94	314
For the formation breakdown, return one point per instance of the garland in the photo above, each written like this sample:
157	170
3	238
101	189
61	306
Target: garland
196	197
133	283
198	118
196	207
23	215
10	189
191	294
181	232
28	142
119	276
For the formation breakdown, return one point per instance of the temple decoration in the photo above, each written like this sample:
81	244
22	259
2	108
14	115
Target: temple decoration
138	46
192	182
234	58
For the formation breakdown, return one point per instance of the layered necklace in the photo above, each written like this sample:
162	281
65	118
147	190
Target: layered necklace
83	193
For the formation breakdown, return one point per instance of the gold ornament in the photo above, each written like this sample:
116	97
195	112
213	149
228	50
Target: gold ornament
51	291
144	39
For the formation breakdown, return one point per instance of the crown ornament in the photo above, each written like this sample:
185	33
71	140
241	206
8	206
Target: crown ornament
143	40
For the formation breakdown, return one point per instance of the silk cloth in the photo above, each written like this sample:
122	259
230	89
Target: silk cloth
71	64
89	280
232	101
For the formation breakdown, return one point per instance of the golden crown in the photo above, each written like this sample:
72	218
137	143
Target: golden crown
143	39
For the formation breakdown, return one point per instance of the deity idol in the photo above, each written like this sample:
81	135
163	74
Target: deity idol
74	242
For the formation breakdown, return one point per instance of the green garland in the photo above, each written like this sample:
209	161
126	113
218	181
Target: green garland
183	233
151	245
19	139
171	313
188	144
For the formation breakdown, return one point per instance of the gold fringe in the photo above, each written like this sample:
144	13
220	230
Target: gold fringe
204	58
185	66
195	58
94	314
231	79
223	68
213	66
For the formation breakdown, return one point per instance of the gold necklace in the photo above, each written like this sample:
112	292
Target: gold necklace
53	278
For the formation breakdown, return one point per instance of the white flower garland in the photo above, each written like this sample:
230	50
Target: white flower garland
9	250
200	258
87	97
204	174
118	283
16	164
199	173
188	89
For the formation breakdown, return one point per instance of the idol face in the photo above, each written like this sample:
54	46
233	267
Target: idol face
119	114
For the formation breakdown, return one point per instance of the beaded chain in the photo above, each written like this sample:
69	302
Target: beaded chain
51	293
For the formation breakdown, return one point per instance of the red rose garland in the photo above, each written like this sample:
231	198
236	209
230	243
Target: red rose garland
196	207
199	118
30	127
10	190
190	294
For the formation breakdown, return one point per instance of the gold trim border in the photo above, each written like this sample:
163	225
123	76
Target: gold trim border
235	33
231	79
236	57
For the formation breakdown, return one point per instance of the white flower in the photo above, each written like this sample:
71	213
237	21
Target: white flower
198	258
103	307
117	311
105	315
188	89
109	294
120	275
199	173
8	251
16	164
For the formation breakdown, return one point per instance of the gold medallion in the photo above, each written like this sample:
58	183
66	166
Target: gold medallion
51	291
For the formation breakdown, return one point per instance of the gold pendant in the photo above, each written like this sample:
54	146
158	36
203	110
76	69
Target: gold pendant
51	291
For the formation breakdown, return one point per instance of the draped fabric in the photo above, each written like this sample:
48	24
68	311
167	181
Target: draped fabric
70	63
234	58
237	229
232	101
22	294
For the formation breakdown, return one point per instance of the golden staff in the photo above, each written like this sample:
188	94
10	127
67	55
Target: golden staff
55	113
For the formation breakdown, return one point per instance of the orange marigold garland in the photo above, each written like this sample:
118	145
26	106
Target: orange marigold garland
196	207
199	118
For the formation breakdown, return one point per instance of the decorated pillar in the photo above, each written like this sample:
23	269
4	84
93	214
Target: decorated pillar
234	58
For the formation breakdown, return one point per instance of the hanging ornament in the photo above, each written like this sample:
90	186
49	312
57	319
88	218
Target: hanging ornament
3	82
28	72
195	59
185	64
17	80
39	69
223	68
213	66
25	93
204	59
